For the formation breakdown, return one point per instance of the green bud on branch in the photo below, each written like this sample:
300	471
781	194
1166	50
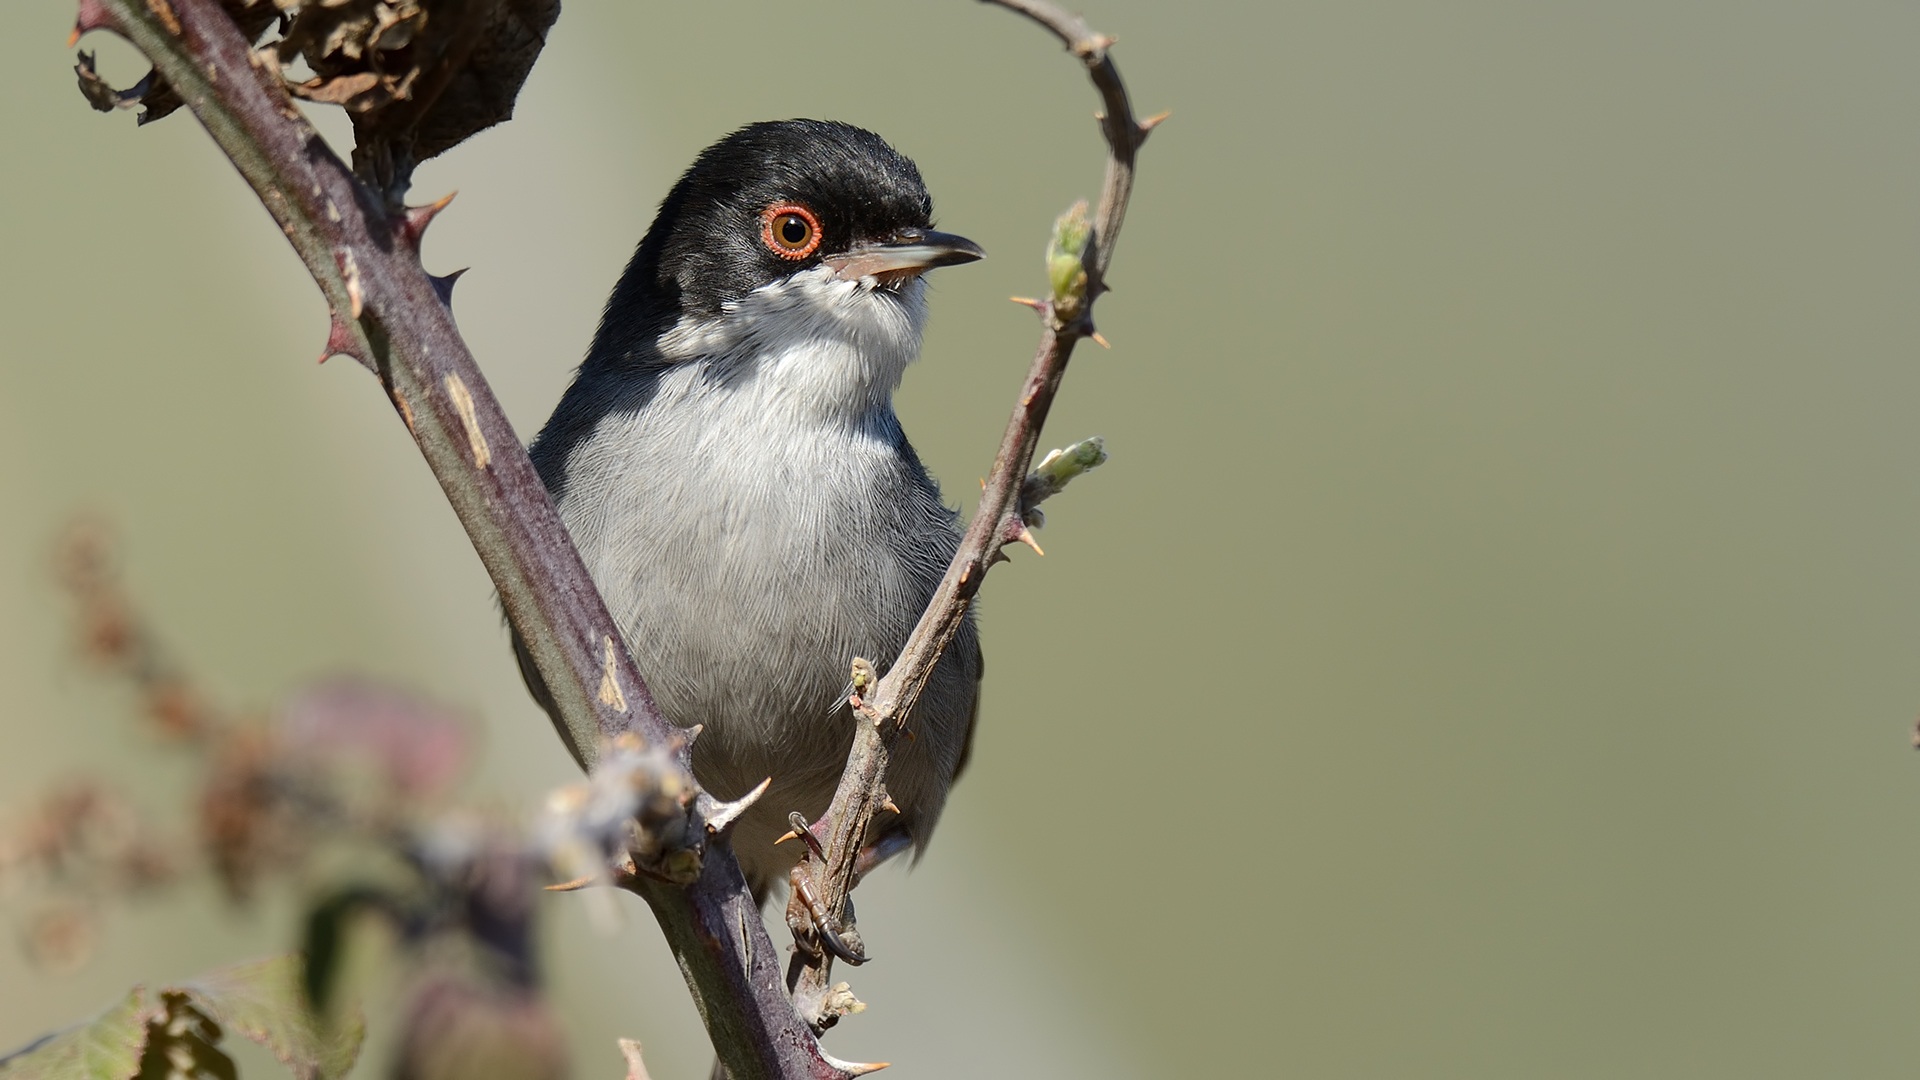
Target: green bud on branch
1055	472
1066	268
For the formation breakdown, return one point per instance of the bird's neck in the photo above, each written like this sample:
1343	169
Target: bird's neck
813	349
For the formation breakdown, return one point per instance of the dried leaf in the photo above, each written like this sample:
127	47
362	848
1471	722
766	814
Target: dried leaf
154	95
482	92
338	91
419	76
446	69
99	94
155	98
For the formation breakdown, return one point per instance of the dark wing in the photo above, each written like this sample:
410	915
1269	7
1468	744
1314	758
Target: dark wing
973	717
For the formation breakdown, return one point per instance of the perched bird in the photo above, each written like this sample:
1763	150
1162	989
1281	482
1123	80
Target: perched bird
728	462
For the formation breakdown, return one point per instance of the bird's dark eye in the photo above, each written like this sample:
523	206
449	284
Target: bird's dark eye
790	230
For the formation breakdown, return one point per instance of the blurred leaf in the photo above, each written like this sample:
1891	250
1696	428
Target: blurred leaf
266	1002
246	824
83	842
420	745
325	931
106	1048
60	937
459	1028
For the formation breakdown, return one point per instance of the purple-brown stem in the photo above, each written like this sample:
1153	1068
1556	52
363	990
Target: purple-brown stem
998	520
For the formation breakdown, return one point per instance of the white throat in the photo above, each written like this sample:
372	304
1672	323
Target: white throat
814	347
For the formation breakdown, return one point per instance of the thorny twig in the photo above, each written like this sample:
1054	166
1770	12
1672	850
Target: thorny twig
1000	519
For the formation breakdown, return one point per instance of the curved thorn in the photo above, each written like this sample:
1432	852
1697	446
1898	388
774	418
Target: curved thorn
852	1069
570	886
1026	537
1152	122
413	224
340	340
91	16
1101	340
728	813
443	285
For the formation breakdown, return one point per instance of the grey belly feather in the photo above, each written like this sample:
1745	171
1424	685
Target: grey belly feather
748	555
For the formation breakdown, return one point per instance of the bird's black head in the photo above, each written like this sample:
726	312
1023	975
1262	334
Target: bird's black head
771	200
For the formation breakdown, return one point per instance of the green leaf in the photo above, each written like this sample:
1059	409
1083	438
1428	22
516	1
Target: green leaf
266	1002
180	1034
106	1048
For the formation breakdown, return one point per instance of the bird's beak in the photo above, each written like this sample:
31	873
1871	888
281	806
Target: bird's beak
908	256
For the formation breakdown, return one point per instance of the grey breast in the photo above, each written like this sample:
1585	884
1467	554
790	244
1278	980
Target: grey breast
748	556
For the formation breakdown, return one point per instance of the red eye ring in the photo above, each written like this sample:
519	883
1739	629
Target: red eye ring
776	223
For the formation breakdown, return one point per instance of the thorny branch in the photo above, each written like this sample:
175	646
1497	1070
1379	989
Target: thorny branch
1002	518
389	314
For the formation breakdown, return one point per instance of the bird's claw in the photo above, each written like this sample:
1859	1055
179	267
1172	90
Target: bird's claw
817	920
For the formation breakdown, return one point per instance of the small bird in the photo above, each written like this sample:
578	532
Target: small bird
729	464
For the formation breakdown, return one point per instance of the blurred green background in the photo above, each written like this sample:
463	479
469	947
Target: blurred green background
1489	653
